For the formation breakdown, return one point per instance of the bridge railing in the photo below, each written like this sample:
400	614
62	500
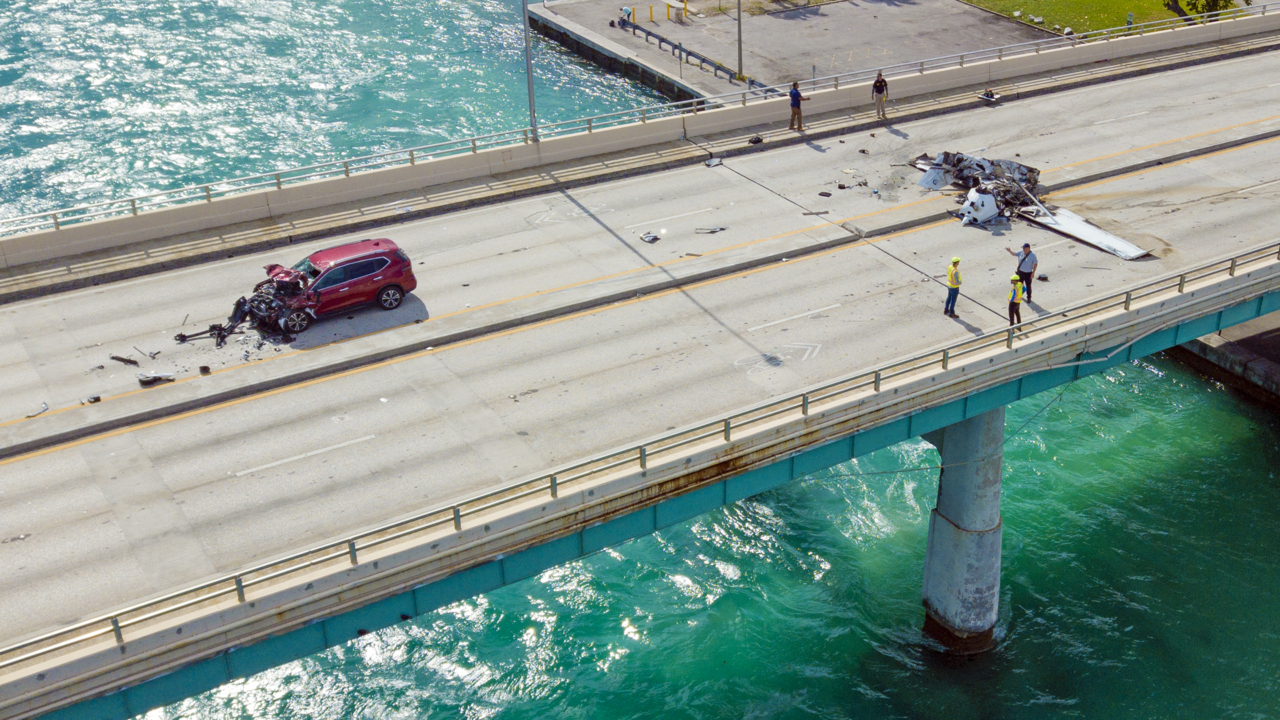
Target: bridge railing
348	550
279	179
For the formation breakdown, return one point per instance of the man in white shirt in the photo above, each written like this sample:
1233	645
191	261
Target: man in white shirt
1027	264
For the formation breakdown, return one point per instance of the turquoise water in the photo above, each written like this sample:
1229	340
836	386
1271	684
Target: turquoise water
1141	579
103	99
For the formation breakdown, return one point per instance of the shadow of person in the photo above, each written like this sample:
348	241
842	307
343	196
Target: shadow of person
968	326
895	131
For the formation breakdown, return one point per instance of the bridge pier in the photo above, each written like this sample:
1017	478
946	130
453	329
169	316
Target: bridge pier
962	563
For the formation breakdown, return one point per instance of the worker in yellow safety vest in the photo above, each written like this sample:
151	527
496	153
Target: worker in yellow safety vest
953	288
1015	300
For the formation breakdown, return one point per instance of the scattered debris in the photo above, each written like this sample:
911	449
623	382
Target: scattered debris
842	186
44	407
990	95
125	360
849	171
755	140
15	538
184	319
709	231
95	399
147	379
151	355
713	162
95	368
204	370
1001	189
1042	277
824	193
649	238
280	303
864	152
872	135
820	212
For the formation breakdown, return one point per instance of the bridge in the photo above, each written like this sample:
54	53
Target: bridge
560	385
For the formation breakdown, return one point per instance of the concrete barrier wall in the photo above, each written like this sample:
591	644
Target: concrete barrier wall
271	205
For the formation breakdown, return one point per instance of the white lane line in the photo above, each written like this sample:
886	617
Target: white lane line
793	317
1256	187
305	455
1273	84
673	217
1144	112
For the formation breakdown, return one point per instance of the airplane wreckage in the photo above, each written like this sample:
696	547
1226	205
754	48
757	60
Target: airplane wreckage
1003	189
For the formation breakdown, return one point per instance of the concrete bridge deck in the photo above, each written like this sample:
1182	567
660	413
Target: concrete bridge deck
146	509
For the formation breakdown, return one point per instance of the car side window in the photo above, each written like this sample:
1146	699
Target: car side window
365	267
335	276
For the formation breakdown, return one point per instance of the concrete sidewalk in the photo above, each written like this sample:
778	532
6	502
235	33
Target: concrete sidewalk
39	279
793	43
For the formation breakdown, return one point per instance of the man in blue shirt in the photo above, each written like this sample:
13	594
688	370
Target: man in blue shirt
796	123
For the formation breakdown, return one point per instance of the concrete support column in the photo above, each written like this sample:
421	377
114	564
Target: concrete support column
962	562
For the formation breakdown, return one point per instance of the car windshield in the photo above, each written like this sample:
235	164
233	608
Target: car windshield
305	267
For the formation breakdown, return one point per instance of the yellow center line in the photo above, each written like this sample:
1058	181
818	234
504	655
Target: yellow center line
463	343
749	243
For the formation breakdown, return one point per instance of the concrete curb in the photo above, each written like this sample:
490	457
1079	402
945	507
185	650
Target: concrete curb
1239	367
437	341
556	186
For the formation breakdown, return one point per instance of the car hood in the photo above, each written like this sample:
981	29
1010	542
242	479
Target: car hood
280	272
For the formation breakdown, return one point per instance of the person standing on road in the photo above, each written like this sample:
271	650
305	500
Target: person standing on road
1027	264
796	123
1015	301
953	288
880	93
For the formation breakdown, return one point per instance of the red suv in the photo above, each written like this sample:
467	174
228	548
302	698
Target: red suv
343	277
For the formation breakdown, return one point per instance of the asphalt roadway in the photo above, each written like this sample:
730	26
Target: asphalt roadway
97	524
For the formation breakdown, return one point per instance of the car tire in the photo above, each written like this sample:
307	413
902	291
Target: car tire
297	321
390	297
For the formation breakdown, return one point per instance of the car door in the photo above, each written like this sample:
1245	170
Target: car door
366	277
334	288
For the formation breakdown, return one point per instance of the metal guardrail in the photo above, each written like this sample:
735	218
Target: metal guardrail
636	457
685	54
279	179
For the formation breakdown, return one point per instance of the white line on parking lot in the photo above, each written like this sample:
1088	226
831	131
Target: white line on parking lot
793	317
305	455
673	217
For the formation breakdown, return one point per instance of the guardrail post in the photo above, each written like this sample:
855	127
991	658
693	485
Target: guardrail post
946	358
644	459
526	136
961	59
1128	300
1000	54
56	226
555	491
208	196
1232	271
744	99
239	589
411	157
351	550
133	205
837	82
115	628
727	428
473	146
588	124
877	381
1009	341
921	67
279	185
346	168
457	518
644	115
804	405
1182	283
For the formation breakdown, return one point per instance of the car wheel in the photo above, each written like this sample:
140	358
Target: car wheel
390	297
297	321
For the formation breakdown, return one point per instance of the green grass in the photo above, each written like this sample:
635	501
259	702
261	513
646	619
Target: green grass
1081	15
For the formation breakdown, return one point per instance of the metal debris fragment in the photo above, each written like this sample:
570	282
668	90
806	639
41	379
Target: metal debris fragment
147	379
709	231
44	407
125	360
649	238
